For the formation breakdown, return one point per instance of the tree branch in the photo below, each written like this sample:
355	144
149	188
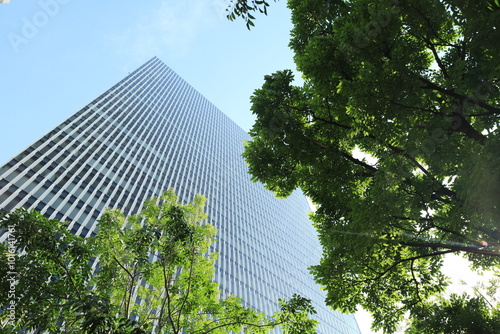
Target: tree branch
70	276
454	248
442	190
167	300
395	264
359	162
417	288
437	58
412	107
462	98
121	266
188	290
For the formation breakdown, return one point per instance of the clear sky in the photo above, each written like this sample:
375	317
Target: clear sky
58	55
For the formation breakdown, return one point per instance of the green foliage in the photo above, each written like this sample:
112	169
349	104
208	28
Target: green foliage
155	267
245	8
394	136
51	270
294	315
460	314
493	5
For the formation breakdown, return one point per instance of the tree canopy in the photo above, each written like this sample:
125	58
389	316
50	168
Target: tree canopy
151	271
460	314
394	136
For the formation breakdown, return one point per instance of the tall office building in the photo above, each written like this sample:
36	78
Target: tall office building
150	132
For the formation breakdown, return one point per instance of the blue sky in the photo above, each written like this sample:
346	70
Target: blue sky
58	55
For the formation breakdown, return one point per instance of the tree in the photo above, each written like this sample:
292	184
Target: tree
153	272
460	314
394	136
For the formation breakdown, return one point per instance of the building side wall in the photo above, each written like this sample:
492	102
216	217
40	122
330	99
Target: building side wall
150	132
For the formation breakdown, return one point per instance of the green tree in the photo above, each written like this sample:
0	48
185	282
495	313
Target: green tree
477	312
155	268
458	314
394	136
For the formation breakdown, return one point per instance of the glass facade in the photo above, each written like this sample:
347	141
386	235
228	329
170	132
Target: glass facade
150	132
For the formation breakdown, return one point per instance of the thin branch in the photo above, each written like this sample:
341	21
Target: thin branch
437	58
359	162
188	290
442	190
395	264
433	225
491	233
431	27
121	266
461	97
454	248
483	297
70	276
417	288
130	290
480	114
449	231
126	301
167	300
315	117
409	157
412	107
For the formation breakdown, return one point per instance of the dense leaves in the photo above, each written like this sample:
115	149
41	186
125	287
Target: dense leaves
394	136
49	273
148	272
460	314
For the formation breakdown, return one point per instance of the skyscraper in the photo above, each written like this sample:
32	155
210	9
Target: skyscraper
150	132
